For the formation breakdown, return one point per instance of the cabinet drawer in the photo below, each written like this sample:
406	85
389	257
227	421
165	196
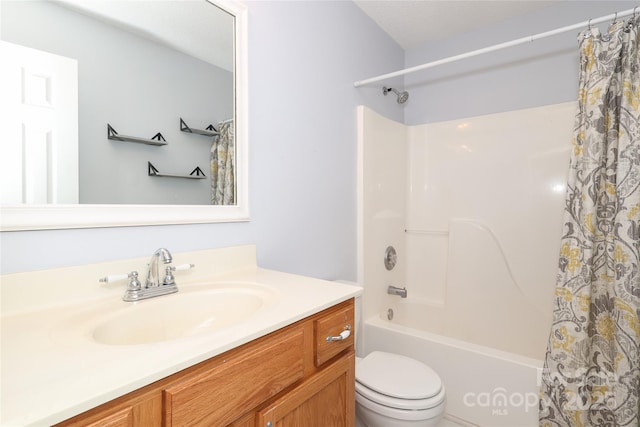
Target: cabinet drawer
332	324
221	395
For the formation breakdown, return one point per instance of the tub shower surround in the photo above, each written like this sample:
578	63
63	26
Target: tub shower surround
475	220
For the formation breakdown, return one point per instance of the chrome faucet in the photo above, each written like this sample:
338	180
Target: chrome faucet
155	284
153	273
393	290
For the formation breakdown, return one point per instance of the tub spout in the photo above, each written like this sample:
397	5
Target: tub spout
393	290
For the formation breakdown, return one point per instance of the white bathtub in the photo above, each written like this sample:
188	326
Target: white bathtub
485	387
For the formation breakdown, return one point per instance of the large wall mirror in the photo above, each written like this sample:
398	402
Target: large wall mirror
118	113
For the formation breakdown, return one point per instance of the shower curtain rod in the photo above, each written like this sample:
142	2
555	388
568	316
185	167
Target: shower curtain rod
527	39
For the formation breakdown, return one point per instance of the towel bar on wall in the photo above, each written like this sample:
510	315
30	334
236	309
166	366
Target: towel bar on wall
156	139
195	174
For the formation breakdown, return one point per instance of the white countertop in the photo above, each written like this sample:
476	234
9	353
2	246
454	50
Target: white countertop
50	374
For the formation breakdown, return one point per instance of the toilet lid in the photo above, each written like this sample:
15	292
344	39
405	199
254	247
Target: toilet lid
397	376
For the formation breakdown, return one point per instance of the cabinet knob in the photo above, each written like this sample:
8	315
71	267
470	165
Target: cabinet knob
343	335
269	424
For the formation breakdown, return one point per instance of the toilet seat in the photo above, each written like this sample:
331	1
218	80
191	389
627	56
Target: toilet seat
364	404
399	382
403	404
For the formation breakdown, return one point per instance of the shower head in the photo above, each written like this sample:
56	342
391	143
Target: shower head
402	96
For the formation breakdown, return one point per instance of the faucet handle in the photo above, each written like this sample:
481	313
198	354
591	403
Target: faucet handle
169	279
117	277
182	267
134	283
113	278
168	276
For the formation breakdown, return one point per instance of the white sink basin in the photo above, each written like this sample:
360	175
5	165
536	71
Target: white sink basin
194	310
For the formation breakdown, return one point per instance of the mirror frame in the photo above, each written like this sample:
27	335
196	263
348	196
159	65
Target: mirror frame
48	217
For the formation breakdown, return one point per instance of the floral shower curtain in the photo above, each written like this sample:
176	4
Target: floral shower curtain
223	165
592	366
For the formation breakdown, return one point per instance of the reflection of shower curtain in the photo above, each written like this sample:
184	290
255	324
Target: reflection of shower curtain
592	365
223	160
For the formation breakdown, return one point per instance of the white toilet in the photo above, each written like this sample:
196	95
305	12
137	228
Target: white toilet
394	390
397	391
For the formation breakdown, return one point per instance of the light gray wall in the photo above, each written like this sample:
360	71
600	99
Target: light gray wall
304	57
138	86
534	74
303	60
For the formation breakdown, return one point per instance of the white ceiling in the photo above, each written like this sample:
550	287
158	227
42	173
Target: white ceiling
413	23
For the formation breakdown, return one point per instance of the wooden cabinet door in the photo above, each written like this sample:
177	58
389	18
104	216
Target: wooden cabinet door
139	411
325	400
248	420
123	418
218	396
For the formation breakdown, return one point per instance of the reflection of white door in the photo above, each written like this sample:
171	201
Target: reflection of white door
38	126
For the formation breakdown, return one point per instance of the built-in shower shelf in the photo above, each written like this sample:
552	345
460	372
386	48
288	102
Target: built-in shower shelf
156	139
208	131
195	174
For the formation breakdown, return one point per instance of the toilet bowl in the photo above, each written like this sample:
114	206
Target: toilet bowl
397	391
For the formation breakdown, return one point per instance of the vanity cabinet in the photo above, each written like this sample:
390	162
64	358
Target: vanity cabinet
291	377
